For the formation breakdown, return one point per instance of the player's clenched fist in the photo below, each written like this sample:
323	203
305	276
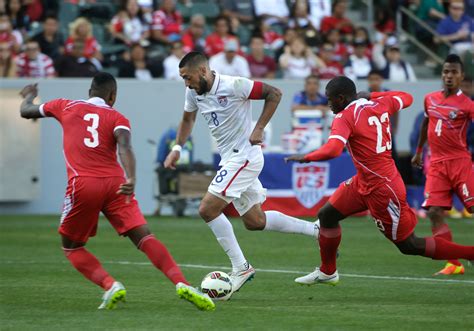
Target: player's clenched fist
128	187
296	158
256	138
417	160
171	159
31	89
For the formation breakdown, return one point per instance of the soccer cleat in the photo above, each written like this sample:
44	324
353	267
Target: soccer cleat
317	276
113	296
196	297
239	278
451	269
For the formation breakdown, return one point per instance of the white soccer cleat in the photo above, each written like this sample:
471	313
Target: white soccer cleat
317	276
113	296
239	278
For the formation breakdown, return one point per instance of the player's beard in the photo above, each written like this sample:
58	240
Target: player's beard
203	87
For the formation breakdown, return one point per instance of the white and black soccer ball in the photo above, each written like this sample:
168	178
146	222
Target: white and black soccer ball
217	285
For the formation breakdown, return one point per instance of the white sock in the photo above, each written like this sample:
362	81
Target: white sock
224	233
280	222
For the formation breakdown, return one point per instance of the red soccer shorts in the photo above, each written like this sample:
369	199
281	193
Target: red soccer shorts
86	197
447	176
386	202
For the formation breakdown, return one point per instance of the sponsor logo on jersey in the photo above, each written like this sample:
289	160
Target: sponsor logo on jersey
222	100
310	182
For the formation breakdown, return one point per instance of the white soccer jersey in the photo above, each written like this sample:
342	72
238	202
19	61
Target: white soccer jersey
228	112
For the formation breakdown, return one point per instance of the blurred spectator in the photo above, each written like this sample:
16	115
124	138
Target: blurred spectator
288	37
261	65
18	17
318	10
457	28
359	64
338	20
166	25
34	9
273	40
467	87
7	62
81	30
332	67
272	11
139	66
50	40
241	10
340	50
430	12
384	21
13	38
229	62
298	61
129	26
391	65
310	97
362	35
215	41
193	38
300	21
33	63
74	64
171	63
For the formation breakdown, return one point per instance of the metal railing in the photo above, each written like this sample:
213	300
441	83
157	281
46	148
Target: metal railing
412	17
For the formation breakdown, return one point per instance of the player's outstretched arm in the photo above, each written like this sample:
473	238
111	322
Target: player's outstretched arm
28	109
272	97
333	148
127	159
404	99
184	130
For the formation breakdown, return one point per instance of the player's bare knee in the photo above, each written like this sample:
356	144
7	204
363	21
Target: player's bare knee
207	213
255	224
435	214
411	246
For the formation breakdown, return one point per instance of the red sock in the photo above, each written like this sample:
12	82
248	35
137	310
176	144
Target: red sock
329	240
161	258
440	249
88	265
444	232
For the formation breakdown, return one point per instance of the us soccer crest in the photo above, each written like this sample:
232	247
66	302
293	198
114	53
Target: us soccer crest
222	100
310	182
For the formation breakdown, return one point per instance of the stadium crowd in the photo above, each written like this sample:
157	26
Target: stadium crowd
146	39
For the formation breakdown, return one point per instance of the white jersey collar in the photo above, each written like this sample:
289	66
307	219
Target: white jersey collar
215	85
98	102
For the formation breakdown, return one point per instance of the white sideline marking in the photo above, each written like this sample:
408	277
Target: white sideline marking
276	271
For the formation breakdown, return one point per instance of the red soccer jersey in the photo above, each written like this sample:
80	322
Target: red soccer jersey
449	120
89	145
364	126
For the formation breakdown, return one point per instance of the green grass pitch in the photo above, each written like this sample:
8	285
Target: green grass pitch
41	291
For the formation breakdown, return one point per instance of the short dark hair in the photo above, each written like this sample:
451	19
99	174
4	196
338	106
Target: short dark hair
103	83
342	85
192	59
312	76
50	16
375	72
454	58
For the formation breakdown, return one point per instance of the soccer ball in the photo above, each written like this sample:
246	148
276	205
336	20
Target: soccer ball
217	285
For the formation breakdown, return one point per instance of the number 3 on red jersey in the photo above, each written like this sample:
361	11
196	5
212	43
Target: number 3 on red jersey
94	141
374	120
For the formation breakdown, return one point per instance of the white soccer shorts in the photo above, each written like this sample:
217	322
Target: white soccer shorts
237	180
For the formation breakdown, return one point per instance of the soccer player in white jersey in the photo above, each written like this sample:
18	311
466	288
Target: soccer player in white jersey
224	102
